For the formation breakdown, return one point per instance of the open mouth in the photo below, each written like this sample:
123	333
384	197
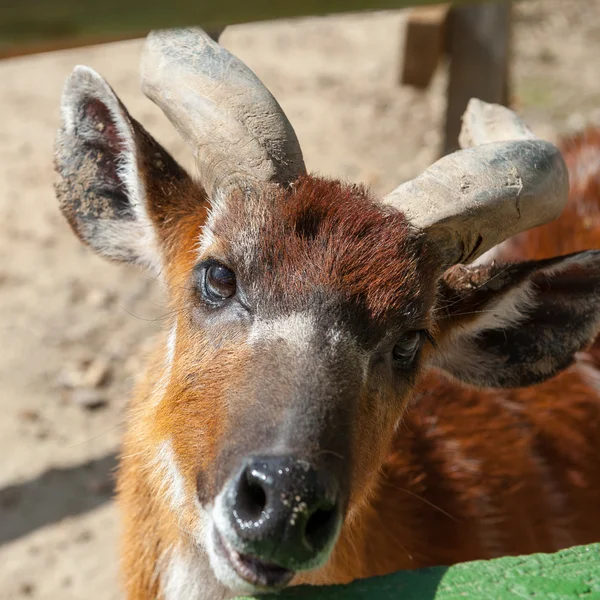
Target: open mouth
254	570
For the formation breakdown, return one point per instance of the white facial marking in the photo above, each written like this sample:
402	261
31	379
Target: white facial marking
163	382
171	343
170	479
216	209
222	570
179	578
221	519
185	575
245	242
297	329
172	486
221	525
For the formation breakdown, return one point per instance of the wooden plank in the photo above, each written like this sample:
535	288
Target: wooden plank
12	51
568	575
53	24
424	44
480	55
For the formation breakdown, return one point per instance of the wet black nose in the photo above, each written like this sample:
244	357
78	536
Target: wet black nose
284	511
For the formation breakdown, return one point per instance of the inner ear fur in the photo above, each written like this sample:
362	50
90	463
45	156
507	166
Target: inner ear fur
119	189
519	324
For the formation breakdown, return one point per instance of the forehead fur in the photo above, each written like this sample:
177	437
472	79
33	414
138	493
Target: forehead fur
324	242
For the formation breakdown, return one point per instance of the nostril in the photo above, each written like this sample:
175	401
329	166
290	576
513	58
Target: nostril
320	526
257	497
251	499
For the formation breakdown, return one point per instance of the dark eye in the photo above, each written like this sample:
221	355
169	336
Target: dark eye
407	348
219	282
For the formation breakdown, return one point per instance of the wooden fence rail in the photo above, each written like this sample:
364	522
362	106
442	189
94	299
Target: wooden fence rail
28	26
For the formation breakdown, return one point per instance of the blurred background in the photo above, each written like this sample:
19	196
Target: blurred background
74	329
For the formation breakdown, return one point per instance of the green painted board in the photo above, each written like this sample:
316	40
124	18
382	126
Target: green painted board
567	575
49	24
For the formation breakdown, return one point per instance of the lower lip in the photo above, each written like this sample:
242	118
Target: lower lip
254	571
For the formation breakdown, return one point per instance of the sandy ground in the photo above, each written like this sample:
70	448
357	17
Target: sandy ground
73	329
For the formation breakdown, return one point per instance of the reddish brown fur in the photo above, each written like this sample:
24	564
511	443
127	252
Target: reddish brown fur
371	255
470	474
530	483
340	239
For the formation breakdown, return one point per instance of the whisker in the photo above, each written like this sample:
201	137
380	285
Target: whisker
324	451
465	314
149	321
91	439
395	539
475	289
428	502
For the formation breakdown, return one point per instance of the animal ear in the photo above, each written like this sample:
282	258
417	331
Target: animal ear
117	183
520	324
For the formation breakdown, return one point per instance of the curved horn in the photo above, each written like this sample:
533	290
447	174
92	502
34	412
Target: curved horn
234	126
473	199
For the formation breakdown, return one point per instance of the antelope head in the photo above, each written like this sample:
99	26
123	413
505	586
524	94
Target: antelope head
305	309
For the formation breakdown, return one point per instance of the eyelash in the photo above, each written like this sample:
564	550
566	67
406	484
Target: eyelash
406	363
429	338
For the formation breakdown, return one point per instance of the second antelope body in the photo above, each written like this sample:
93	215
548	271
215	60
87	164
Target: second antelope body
305	419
